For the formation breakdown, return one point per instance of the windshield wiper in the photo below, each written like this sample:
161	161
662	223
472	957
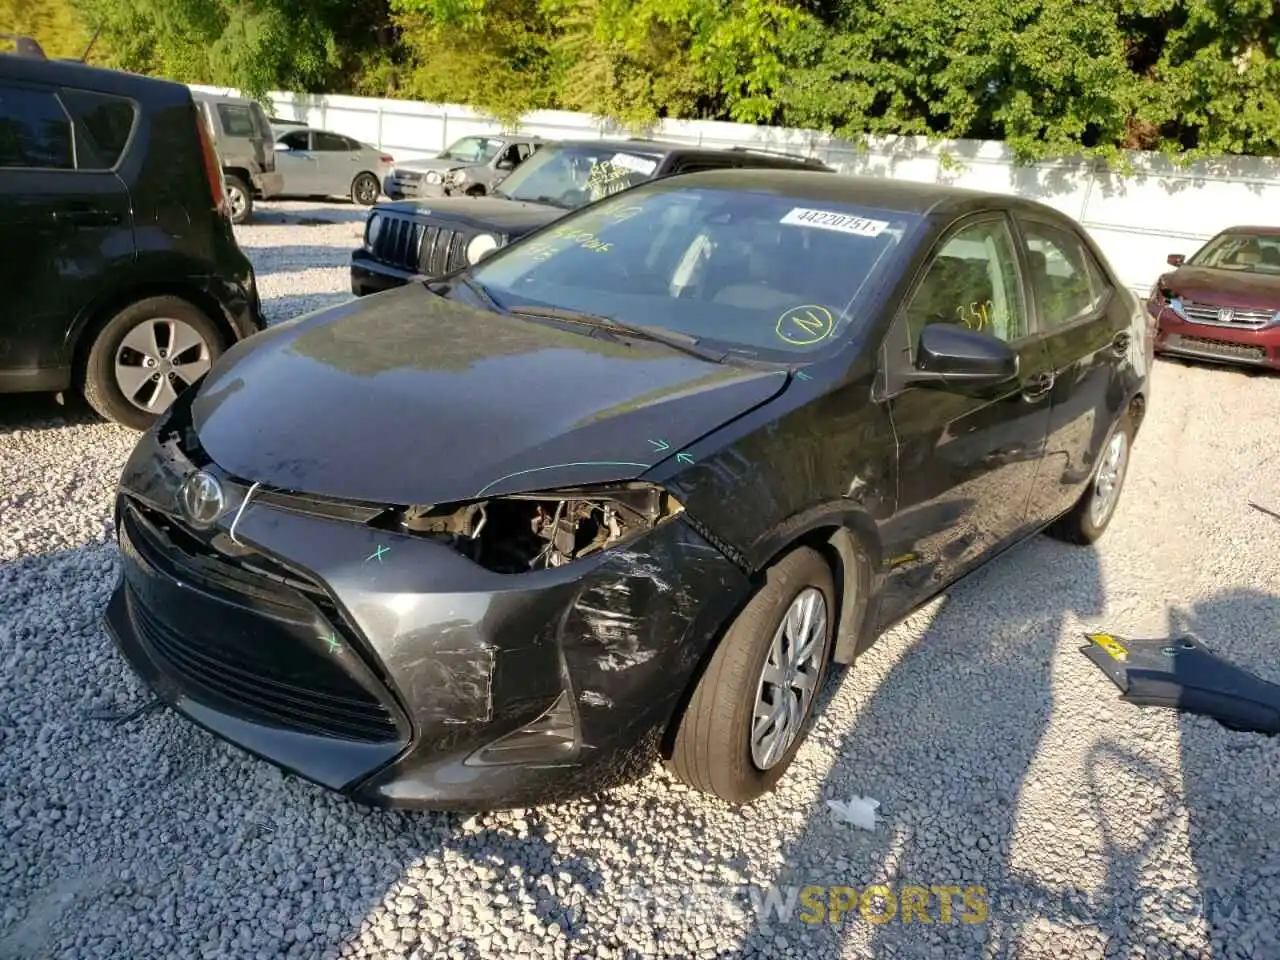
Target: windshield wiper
549	201
680	341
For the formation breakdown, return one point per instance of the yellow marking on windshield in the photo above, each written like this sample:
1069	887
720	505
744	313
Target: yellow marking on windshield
805	325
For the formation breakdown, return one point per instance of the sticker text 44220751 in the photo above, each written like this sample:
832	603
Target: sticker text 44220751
834	220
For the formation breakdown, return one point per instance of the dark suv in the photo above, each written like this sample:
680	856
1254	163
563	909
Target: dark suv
411	241
121	273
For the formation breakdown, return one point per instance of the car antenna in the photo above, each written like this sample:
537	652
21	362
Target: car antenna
84	57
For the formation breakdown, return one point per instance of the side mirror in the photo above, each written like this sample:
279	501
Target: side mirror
1176	259
504	165
282	147
951	354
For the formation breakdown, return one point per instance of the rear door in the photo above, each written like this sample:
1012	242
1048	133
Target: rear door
242	142
65	216
967	457
337	162
1087	334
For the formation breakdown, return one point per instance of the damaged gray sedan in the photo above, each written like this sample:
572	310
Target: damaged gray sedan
625	489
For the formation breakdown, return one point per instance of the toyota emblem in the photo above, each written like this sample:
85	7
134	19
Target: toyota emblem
202	498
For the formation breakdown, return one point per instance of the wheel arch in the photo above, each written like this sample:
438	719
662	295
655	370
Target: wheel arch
100	314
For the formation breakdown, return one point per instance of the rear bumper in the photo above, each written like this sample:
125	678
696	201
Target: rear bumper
1217	344
269	185
372	276
392	681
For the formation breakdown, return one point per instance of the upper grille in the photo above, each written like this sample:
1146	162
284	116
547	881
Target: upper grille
251	658
1226	316
419	247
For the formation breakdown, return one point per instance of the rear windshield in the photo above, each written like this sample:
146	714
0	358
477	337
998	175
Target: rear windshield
750	271
237	120
571	177
1245	252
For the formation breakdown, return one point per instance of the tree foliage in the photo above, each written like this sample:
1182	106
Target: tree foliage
1050	77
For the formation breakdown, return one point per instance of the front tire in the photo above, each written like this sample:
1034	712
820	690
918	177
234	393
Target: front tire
752	707
145	356
364	190
240	199
1088	520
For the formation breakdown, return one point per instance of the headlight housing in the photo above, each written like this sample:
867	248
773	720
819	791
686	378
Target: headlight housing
372	227
521	532
433	176
481	245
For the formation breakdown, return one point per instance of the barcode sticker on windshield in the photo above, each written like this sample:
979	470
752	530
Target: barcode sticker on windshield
830	220
630	162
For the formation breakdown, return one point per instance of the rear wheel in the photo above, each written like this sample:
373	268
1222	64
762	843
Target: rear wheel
239	198
364	190
1089	518
145	356
752	707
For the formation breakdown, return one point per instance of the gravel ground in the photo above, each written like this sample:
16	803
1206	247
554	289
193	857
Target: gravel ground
999	755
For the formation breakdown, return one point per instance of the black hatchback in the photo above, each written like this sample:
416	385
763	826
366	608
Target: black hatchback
627	488
121	273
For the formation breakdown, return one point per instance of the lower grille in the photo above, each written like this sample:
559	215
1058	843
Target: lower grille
419	247
250	657
1222	348
1226	316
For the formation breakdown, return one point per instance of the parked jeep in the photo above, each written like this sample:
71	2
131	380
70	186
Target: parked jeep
472	167
408	240
245	142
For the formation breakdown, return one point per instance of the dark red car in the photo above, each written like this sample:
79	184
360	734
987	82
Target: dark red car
1224	303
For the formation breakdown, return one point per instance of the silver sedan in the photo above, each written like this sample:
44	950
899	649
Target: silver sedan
320	163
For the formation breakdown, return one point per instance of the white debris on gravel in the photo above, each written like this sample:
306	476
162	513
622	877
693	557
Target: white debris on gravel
1001	756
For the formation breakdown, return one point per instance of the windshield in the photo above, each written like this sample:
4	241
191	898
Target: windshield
571	177
472	149
1245	252
758	273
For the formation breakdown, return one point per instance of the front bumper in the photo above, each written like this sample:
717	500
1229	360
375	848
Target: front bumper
1252	347
373	276
398	189
386	675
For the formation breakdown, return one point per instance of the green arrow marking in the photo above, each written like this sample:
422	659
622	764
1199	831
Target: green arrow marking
683	458
660	445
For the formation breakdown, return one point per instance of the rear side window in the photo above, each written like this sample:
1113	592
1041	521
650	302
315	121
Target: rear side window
103	127
1065	283
330	141
35	131
237	120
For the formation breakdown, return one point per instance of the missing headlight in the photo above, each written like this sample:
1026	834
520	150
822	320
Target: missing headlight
523	532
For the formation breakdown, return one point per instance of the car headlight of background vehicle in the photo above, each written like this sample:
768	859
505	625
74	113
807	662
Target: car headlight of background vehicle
372	227
480	246
517	533
433	176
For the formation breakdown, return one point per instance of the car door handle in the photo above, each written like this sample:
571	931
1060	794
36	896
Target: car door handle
1120	343
1036	387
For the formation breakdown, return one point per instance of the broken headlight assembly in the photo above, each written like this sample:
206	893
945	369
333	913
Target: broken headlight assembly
520	532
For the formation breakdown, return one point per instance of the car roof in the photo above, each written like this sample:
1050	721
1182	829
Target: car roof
1260	231
900	196
635	143
73	73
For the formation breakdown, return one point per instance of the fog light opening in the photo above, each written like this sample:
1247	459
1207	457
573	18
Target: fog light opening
551	738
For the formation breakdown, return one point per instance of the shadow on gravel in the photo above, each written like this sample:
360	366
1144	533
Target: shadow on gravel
945	743
42	411
131	833
281	215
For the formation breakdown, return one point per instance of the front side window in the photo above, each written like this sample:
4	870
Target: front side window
237	120
35	131
571	177
1242	252
472	149
972	281
298	140
1063	282
759	273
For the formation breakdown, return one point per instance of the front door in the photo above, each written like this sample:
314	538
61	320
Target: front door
299	166
65	218
967	457
1086	332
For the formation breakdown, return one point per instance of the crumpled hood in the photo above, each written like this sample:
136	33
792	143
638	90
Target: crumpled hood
1226	287
429	163
405	397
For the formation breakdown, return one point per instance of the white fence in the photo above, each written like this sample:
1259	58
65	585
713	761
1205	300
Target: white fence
1136	220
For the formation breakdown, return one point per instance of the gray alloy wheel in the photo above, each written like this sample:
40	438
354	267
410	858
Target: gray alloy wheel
789	679
1109	479
157	360
239	199
365	189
